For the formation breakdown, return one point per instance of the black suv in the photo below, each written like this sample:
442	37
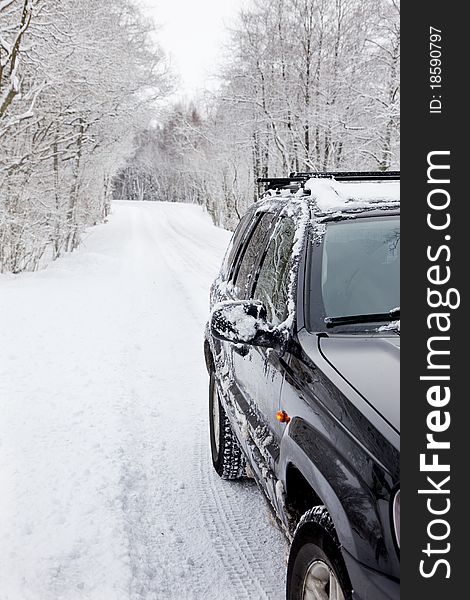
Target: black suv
302	349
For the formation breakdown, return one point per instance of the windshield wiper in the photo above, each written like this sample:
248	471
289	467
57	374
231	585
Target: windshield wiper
392	315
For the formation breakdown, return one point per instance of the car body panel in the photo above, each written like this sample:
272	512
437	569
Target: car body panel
351	466
259	375
371	365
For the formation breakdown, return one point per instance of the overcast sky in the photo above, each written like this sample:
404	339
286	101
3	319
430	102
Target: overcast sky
192	33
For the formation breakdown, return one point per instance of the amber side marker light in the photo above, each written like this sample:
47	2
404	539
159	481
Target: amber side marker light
283	417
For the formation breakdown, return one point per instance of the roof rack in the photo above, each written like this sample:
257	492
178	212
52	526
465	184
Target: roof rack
281	181
302	177
349	175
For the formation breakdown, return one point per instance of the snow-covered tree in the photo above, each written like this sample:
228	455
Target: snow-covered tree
77	80
308	85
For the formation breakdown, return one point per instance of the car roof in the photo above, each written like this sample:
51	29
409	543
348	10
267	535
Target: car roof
328	199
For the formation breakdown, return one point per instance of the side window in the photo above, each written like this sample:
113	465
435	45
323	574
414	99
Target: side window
234	246
252	252
272	287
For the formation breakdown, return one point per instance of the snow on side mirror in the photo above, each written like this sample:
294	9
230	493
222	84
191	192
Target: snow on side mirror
244	322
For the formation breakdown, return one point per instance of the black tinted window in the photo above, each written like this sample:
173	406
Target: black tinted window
251	255
272	287
234	246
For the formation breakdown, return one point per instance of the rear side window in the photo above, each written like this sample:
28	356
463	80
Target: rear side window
234	246
252	253
272	287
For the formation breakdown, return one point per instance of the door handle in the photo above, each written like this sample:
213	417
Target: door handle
241	349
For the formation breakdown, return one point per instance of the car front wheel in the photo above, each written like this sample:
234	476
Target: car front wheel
227	456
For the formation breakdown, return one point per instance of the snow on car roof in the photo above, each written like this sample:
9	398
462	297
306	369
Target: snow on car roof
331	195
328	197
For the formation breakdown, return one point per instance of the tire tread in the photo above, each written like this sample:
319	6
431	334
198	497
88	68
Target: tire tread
230	463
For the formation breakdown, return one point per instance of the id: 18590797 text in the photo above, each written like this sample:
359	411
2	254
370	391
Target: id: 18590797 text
435	70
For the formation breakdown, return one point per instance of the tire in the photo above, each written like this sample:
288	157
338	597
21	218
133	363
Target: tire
316	569
227	456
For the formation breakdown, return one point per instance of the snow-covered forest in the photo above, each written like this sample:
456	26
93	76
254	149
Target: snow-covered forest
77	82
306	85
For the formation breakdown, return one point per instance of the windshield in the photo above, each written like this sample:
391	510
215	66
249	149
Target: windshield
360	267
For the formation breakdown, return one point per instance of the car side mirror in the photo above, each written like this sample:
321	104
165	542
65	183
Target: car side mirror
245	322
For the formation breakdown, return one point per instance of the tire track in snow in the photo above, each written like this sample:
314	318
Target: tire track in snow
236	542
163	562
160	563
192	253
223	507
223	515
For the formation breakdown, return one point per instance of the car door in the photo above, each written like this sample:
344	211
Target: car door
223	287
240	273
260	371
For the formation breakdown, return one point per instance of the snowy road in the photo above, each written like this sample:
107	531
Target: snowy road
106	488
